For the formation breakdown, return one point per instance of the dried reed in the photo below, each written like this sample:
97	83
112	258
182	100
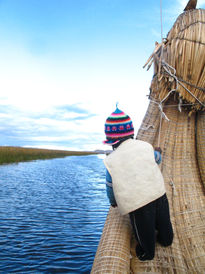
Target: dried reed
184	51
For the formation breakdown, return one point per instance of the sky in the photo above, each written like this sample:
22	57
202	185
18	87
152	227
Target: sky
64	64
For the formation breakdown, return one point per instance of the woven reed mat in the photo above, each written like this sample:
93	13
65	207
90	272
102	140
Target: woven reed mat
186	197
113	253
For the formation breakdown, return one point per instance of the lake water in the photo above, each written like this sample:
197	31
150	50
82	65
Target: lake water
52	214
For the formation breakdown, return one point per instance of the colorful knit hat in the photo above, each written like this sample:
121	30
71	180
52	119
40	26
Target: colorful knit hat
118	126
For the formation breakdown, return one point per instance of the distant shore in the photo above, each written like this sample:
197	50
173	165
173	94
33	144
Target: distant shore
9	154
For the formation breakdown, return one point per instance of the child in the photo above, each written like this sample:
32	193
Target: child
135	185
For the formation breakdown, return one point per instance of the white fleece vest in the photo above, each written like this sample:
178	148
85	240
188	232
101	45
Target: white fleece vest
136	177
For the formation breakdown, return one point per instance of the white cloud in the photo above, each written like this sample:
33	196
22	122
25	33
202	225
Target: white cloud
38	89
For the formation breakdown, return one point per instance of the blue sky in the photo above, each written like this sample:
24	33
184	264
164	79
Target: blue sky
65	64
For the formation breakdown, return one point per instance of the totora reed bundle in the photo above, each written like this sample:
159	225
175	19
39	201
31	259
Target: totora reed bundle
175	120
180	60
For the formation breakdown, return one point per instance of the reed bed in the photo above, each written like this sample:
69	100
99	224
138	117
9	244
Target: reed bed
180	132
19	154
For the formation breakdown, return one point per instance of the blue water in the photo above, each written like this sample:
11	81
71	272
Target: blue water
52	214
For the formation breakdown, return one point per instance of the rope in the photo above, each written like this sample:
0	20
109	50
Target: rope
189	40
173	188
191	85
167	68
160	108
181	80
193	23
180	104
161	55
159	134
161	20
147	127
162	115
167	106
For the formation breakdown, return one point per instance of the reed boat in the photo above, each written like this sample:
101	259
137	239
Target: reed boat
175	120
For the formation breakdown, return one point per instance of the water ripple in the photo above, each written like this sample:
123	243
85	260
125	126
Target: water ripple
52	214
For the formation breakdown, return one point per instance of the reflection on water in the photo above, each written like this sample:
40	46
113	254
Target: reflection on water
52	214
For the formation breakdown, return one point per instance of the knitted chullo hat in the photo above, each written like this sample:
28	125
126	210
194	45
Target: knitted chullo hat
118	126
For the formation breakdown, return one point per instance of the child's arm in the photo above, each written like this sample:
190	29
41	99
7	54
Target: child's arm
157	155
109	189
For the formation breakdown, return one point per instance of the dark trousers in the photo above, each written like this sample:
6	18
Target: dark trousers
151	223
